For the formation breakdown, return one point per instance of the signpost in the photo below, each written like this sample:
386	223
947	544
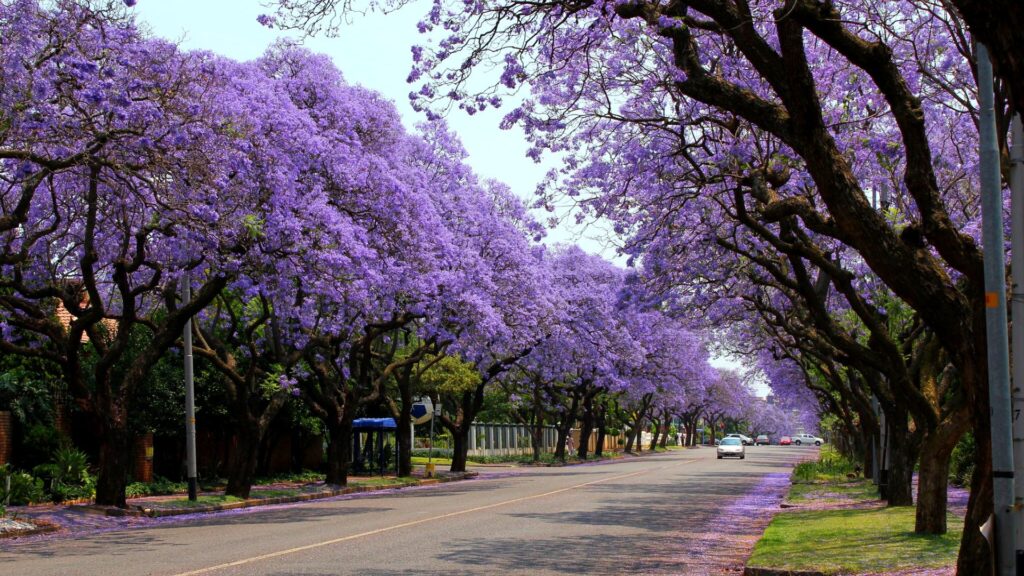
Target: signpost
430	453
423	409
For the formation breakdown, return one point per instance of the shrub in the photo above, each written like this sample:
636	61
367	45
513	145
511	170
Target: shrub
437	452
19	488
137	490
831	466
67	476
39	444
160	486
961	462
305	476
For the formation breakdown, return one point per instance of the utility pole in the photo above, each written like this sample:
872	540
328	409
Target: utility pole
995	321
1017	315
190	395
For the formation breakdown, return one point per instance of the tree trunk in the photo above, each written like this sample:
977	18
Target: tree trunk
115	460
601	432
586	427
933	481
563	434
656	435
901	462
538	423
630	438
243	460
639	437
470	404
404	441
933	477
460	448
974	557
868	462
537	439
339	452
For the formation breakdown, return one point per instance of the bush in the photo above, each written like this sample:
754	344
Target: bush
137	490
39	444
437	452
24	488
305	476
160	486
961	462
830	467
67	477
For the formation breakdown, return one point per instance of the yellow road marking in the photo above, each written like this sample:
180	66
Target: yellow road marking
415	522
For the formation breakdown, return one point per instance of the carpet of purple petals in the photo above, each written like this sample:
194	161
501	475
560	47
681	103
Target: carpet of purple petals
728	539
78	521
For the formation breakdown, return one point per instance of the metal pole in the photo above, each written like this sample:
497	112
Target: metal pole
995	321
430	453
1017	314
190	395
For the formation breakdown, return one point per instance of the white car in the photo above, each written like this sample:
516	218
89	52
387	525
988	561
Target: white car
731	446
747	440
801	439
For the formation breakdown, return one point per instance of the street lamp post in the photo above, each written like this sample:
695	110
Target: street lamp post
995	320
190	396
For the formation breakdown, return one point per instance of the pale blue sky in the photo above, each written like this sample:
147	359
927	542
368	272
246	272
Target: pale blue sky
374	51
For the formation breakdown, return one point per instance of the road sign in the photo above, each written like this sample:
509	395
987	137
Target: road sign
421	409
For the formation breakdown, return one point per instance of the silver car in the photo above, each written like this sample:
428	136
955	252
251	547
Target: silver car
801	439
747	440
731	447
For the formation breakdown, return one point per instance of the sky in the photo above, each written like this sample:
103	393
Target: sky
373	50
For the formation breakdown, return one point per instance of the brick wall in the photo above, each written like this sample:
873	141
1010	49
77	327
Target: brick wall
143	454
6	437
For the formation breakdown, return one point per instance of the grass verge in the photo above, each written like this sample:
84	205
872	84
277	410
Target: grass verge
204	500
437	461
830	479
844	537
853	541
201	500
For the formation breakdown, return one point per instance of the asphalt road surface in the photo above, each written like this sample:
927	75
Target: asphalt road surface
682	512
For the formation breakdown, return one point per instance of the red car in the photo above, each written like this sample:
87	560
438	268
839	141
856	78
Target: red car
785	441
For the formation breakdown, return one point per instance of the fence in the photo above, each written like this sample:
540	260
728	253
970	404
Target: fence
507	439
516	439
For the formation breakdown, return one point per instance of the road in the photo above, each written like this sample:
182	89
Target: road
682	512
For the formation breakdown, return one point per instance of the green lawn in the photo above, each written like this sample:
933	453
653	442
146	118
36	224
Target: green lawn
381	481
844	541
201	500
437	461
275	493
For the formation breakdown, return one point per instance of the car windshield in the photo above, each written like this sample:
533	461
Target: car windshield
731	441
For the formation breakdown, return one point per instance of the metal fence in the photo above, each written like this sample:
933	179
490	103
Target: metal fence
507	439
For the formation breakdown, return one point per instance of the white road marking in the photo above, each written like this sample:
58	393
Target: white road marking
415	522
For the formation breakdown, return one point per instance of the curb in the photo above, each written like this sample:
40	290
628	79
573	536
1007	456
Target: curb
141	510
